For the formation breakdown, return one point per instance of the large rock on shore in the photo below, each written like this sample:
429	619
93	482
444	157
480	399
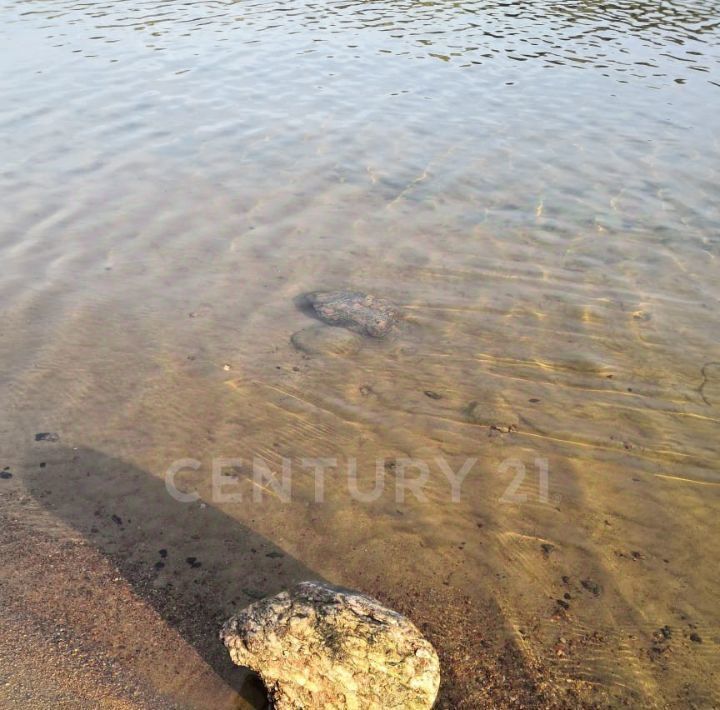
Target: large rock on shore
324	647
356	311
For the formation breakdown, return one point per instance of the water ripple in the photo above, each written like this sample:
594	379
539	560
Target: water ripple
629	40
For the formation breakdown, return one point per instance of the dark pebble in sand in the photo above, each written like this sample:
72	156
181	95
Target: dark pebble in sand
159	564
666	632
253	593
43	464
47	436
432	395
562	603
547	548
5	475
193	562
534	400
565	579
591	586
116	519
163	553
695	638
274	555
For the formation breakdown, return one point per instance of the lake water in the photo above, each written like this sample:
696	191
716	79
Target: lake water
535	183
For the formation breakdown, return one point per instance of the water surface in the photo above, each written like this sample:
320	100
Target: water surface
536	183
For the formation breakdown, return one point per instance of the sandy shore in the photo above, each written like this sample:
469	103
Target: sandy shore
102	607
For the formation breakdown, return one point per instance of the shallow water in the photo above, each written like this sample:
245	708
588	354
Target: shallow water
535	183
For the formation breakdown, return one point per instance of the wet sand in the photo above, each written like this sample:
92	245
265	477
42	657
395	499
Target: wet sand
551	602
89	618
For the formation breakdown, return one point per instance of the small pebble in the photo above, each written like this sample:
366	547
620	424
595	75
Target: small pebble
253	593
591	586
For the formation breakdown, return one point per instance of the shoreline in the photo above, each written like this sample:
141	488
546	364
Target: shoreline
119	634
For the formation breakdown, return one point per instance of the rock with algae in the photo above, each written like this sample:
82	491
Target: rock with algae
356	311
325	647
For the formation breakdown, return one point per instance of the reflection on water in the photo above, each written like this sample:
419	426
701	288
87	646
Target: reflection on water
534	182
637	38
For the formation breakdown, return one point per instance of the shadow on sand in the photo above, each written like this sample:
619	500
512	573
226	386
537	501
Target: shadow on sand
194	564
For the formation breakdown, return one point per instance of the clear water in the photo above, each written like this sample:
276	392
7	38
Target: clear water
536	183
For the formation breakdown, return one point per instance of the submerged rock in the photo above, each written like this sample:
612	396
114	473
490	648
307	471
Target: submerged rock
359	312
493	414
324	340
319	646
